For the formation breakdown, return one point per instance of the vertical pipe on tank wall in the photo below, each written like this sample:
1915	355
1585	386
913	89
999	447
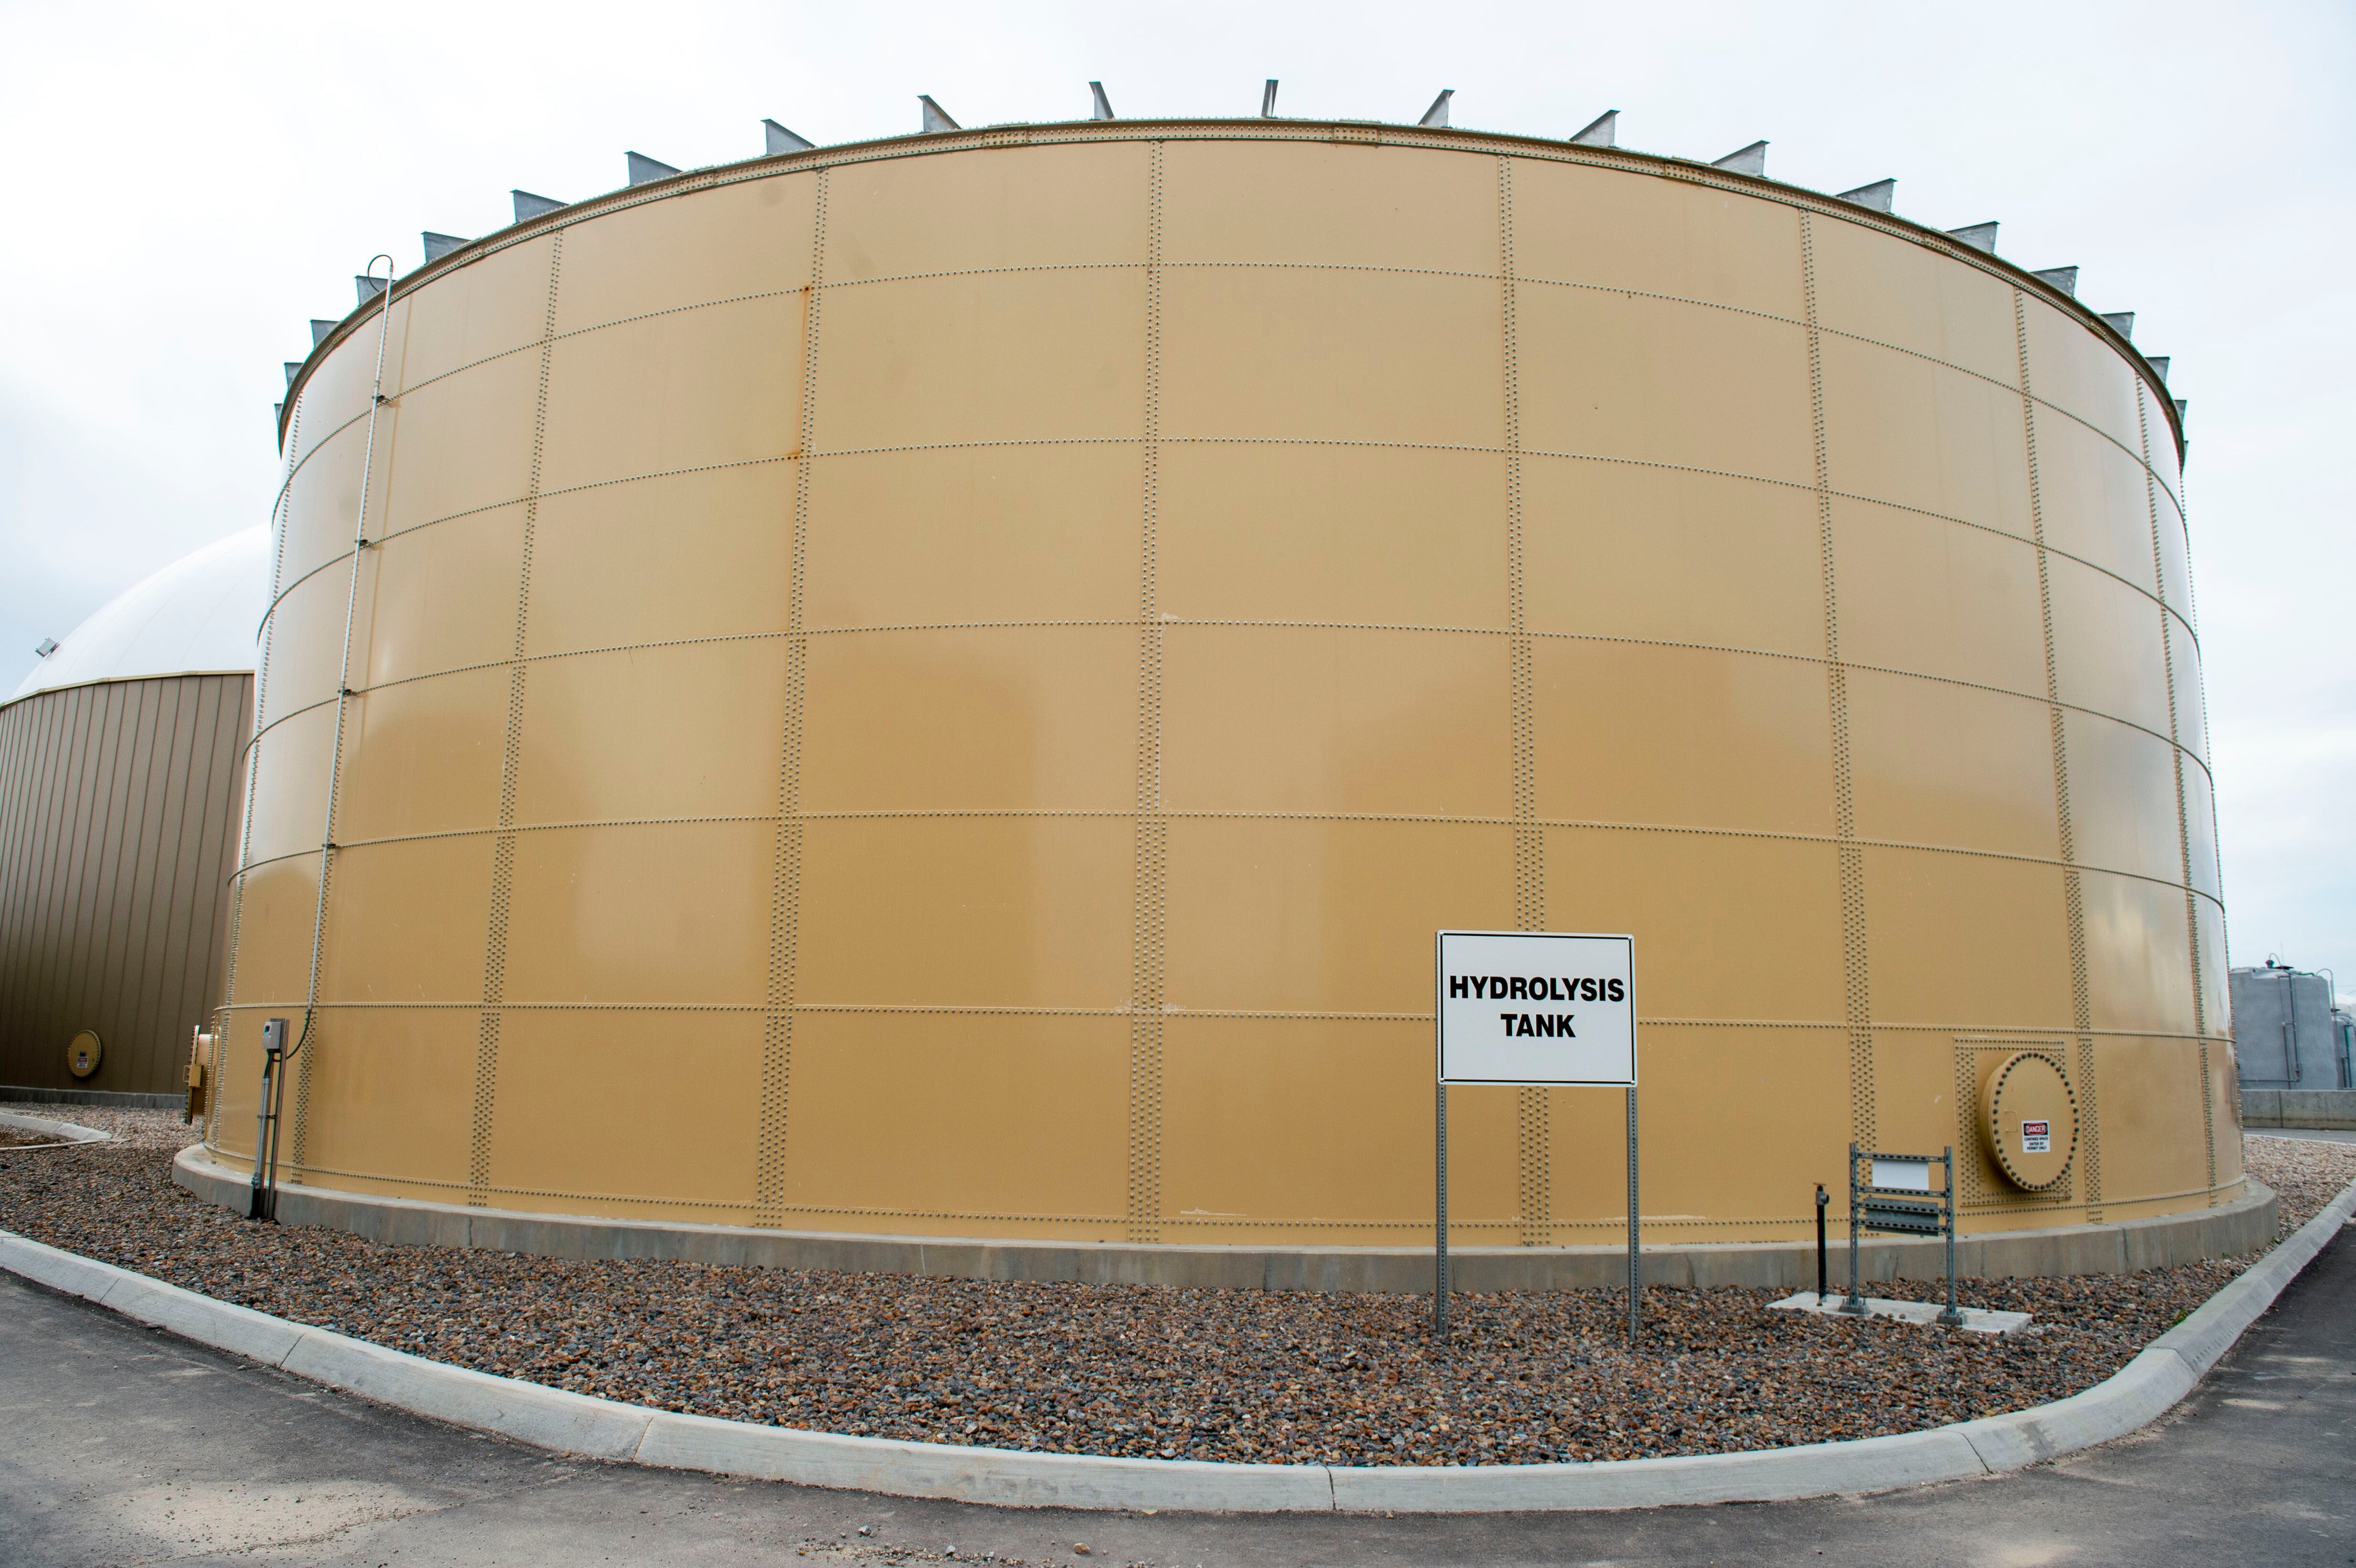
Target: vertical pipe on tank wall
2333	1029
343	703
290	456
2290	1028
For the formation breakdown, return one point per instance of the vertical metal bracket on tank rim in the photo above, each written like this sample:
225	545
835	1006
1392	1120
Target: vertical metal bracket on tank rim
266	1186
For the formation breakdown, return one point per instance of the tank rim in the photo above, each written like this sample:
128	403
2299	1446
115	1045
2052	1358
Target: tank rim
1364	133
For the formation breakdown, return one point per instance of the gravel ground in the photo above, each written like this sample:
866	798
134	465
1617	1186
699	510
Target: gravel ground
1289	1377
18	1137
140	1129
2305	1174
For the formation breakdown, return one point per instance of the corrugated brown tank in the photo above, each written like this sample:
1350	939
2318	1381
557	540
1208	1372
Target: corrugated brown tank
118	817
122	763
944	687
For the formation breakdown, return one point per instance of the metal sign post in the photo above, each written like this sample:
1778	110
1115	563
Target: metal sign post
1533	1008
1440	1224
1635	1269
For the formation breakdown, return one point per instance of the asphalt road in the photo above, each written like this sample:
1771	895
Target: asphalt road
121	1445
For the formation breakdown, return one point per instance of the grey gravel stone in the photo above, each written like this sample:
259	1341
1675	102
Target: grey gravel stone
1283	1377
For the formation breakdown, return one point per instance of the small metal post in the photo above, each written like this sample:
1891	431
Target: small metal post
344	695
1951	1316
1821	1202
1636	1279
1439	1214
255	1209
1856	1301
277	1122
268	1117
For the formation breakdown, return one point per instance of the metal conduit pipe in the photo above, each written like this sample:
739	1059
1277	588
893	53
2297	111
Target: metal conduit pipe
2290	1028
273	1093
2345	1078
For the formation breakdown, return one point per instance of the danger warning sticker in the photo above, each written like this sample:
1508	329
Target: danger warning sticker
2035	1137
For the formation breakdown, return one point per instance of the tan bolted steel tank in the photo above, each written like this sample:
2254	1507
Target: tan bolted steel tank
943	686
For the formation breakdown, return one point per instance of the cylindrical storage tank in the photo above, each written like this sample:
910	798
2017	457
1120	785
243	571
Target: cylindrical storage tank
2288	1022
943	687
121	767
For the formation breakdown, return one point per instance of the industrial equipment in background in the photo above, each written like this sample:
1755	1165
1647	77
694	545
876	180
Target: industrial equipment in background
2289	1031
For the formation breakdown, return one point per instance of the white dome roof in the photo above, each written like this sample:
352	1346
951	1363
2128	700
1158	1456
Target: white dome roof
198	616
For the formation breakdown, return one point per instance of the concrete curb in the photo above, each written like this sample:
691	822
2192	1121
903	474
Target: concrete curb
2167	1367
580	1423
2242	1225
72	1132
1763	1474
998	1476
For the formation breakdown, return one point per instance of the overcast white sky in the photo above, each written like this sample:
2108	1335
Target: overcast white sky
192	182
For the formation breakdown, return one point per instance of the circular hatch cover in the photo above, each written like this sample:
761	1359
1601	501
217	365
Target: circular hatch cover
83	1052
2030	1116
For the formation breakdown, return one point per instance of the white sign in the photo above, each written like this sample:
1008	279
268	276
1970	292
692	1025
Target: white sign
1536	1007
1902	1174
2035	1137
